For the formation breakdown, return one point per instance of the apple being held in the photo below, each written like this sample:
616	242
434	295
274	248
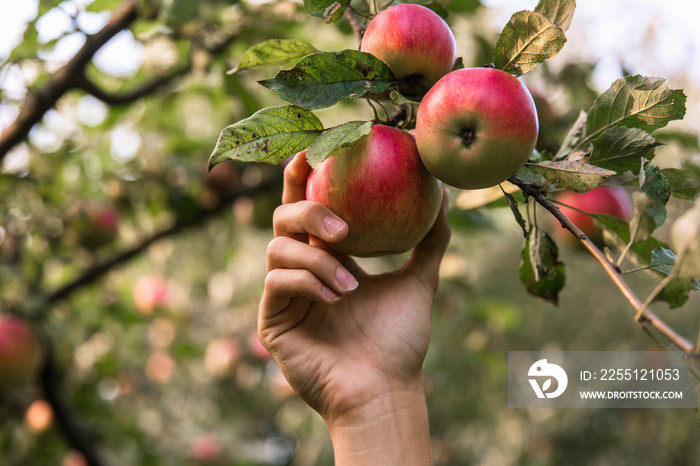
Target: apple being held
476	127
414	41
381	189
20	351
610	200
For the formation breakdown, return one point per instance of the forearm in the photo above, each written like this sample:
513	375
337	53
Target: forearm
392	429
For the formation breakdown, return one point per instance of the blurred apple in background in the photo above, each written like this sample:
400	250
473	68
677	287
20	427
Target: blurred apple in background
221	356
610	200
150	292
205	447
74	458
38	416
94	223
20	351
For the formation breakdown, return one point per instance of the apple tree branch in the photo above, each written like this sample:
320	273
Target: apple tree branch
644	314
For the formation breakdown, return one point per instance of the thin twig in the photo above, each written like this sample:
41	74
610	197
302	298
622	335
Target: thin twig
96	272
610	269
76	435
41	100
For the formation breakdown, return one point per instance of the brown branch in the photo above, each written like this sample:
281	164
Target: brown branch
76	435
98	271
647	315
82	82
41	100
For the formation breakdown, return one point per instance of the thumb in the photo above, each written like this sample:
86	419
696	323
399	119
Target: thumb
425	258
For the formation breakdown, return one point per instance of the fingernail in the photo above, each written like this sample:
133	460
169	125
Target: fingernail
346	281
330	294
333	225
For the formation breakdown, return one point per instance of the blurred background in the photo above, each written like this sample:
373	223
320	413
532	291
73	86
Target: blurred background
142	273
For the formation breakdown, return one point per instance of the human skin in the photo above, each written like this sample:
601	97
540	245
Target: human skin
382	190
414	41
476	127
351	344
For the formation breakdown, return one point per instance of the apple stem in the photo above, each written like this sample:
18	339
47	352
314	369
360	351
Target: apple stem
647	316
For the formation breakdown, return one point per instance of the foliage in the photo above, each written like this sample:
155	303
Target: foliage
132	385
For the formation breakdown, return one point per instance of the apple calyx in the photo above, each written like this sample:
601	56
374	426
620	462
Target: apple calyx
468	136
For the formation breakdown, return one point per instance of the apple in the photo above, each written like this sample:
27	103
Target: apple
381	189
20	351
38	416
221	356
476	127
74	458
150	292
610	200
95	223
160	366
205	447
414	41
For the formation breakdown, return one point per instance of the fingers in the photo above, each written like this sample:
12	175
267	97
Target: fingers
427	255
326	281
295	175
303	218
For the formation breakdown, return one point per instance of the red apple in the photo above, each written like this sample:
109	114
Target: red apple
221	356
96	224
414	41
610	200
38	416
20	351
381	189
150	292
476	127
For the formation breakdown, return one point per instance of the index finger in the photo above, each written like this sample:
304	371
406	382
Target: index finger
295	175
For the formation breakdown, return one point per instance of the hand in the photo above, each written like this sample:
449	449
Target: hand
346	341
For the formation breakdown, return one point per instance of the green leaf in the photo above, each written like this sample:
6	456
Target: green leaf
643	222
526	41
576	176
655	185
399	99
513	204
682	182
103	5
572	137
559	12
621	148
274	52
335	140
685	239
637	102
676	293
269	135
323	79
329	10
662	260
543	274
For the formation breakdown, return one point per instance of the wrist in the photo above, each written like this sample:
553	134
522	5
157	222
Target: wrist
391	428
